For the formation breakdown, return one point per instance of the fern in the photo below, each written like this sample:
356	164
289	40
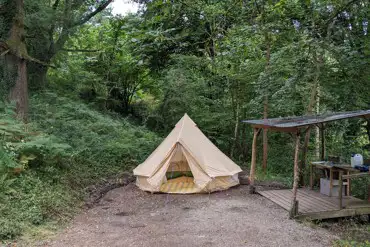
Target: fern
7	159
19	145
6	186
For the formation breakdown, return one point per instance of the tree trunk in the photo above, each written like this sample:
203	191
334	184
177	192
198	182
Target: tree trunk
236	129
19	93
294	206
317	130
243	144
253	161
236	111
265	103
15	61
322	135
265	140
368	128
312	103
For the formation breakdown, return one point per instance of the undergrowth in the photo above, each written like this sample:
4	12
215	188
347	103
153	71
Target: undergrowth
353	231
46	165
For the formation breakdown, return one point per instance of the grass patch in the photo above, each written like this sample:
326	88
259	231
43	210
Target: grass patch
353	231
347	243
270	176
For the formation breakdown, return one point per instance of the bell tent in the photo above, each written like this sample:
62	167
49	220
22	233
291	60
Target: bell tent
186	162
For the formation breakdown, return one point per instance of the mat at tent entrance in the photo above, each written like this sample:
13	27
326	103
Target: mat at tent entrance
180	185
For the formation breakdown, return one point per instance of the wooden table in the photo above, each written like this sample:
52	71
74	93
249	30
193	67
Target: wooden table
332	167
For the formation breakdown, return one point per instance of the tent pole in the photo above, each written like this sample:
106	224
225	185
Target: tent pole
294	207
253	161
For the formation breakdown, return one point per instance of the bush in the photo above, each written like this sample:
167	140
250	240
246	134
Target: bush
9	228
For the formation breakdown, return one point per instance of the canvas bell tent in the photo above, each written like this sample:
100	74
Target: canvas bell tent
186	162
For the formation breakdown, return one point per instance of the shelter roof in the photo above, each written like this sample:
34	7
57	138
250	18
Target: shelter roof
294	123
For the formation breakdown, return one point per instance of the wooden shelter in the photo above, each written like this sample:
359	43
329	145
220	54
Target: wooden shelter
312	204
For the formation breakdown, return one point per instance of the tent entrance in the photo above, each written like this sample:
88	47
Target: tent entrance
180	185
179	177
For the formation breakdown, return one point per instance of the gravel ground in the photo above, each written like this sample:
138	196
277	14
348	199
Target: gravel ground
127	216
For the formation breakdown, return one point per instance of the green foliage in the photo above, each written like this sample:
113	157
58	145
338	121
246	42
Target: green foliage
35	199
7	186
189	86
94	138
21	149
20	146
346	243
49	25
76	147
360	188
218	61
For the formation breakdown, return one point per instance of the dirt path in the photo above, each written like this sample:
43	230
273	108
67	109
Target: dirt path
127	217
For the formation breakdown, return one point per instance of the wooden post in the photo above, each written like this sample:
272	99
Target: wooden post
368	194
303	162
311	176
294	207
349	186
340	189
322	133
253	162
330	181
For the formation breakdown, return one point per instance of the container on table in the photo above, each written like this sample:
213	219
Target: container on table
325	187
357	160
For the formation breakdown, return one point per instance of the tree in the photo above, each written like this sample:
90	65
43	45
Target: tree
185	27
17	41
104	71
51	24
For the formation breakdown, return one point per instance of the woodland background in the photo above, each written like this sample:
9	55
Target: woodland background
86	94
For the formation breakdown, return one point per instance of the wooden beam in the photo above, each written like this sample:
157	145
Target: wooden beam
294	206
288	129
335	214
253	161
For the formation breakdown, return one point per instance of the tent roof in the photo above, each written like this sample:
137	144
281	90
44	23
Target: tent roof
294	123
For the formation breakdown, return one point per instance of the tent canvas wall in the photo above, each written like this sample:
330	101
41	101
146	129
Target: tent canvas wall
186	149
